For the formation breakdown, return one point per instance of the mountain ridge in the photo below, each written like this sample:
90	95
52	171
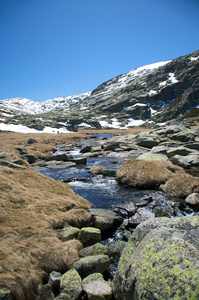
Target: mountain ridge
153	93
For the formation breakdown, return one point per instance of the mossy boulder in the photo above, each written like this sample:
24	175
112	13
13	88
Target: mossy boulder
71	284
68	233
160	261
92	264
95	249
89	235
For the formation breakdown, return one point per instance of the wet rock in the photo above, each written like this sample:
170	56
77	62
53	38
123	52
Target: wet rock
92	264
97	289
85	149
95	249
45	293
54	279
5	155
158	251
104	219
89	235
80	160
57	157
144	202
153	157
96	149
71	284
193	200
109	173
54	164
68	233
140	216
125	210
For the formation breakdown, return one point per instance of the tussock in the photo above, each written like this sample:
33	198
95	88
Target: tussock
146	174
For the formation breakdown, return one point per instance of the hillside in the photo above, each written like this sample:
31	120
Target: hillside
157	93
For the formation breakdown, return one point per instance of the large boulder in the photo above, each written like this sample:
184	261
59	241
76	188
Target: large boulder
146	174
160	261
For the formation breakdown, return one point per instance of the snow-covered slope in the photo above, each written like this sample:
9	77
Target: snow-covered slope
18	106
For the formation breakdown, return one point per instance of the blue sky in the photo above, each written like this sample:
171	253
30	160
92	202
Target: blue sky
53	48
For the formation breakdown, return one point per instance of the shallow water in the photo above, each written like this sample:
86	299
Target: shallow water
101	191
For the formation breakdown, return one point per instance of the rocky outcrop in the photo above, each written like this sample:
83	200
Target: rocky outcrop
160	261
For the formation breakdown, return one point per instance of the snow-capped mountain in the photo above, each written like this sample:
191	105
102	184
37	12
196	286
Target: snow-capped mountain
158	92
20	106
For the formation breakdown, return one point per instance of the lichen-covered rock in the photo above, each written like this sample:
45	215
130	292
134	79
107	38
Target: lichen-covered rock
58	157
71	284
104	219
5	294
29	157
193	199
5	155
153	157
95	249
161	261
188	160
92	264
89	235
96	287
68	233
115	249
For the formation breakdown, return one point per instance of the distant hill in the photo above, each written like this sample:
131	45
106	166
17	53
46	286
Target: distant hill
154	93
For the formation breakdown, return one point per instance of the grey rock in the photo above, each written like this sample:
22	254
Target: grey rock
11	165
45	293
153	157
95	249
54	279
29	157
5	155
58	157
92	264
104	219
158	251
193	200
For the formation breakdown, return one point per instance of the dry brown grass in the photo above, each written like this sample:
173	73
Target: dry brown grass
146	174
181	186
32	206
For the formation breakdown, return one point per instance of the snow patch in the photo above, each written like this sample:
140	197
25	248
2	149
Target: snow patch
194	58
25	129
152	92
